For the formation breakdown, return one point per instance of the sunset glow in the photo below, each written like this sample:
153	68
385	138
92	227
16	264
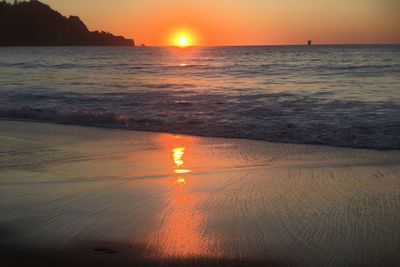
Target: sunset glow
243	22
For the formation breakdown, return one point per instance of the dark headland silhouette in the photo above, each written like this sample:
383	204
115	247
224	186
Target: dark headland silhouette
36	24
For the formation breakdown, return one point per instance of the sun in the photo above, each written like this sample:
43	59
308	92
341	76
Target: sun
183	41
182	37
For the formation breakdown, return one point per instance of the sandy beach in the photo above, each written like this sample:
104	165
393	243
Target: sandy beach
81	196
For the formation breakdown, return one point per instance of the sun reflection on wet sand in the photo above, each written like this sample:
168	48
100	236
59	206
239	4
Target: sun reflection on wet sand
180	181
182	171
181	234
177	155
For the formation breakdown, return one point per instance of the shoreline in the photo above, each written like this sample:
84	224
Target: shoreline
194	135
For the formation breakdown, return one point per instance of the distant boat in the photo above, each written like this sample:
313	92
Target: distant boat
309	42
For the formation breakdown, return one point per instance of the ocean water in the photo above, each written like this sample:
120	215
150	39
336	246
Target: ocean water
333	95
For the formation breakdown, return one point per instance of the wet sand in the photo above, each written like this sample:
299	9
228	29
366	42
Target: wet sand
80	196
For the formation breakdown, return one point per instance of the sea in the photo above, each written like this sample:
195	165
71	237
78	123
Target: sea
344	95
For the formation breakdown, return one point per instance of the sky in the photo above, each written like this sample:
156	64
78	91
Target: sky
241	22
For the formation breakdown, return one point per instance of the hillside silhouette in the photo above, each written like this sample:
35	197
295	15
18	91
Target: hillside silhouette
36	24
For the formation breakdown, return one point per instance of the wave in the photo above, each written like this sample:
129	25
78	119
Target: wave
66	116
258	122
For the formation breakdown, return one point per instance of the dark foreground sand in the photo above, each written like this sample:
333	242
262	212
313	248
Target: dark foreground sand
77	196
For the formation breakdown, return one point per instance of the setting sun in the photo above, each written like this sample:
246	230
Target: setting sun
183	41
183	37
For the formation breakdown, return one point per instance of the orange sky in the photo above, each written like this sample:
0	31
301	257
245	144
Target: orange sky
242	22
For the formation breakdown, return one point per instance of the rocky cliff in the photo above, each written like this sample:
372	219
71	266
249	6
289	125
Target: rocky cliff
36	24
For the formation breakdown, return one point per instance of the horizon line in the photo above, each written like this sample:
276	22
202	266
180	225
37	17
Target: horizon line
194	46
298	44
